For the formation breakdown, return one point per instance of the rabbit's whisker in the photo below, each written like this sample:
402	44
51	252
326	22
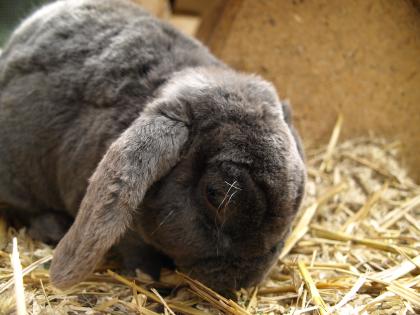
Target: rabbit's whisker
226	194
233	185
163	221
230	198
224	208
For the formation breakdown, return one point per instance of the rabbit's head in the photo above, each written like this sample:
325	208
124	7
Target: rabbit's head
210	174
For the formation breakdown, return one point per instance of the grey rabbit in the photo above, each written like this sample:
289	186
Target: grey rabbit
154	146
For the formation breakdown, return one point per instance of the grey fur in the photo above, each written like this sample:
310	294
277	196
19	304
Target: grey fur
101	90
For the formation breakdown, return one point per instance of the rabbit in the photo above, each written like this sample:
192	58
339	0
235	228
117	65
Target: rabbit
154	147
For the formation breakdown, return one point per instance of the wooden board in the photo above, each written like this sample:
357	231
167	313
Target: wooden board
188	24
195	7
159	8
360	58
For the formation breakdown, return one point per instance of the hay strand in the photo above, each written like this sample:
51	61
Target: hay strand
302	226
316	297
18	280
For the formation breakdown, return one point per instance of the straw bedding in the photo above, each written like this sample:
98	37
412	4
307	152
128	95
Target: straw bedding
354	249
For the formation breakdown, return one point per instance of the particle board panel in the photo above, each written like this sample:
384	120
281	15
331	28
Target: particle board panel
360	58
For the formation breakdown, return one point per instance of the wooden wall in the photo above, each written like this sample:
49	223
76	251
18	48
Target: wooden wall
360	58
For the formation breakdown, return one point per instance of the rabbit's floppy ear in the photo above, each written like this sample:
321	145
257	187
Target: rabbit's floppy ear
143	154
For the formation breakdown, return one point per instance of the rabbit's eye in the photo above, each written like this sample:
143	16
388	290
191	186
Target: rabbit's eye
214	197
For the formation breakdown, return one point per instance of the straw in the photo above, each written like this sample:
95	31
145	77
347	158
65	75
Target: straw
354	248
316	297
18	280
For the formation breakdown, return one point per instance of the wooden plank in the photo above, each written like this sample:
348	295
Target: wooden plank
359	59
193	7
188	24
216	24
159	8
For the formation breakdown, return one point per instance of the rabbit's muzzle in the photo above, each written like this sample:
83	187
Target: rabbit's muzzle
228	273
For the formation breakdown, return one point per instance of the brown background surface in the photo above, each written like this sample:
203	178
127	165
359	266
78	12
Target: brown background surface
360	58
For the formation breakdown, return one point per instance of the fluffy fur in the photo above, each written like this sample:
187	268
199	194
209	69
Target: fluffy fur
189	161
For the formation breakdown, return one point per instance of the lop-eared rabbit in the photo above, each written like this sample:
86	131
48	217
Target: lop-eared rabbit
154	146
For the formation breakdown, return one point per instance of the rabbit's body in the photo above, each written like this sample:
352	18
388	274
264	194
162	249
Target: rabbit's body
87	75
107	113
